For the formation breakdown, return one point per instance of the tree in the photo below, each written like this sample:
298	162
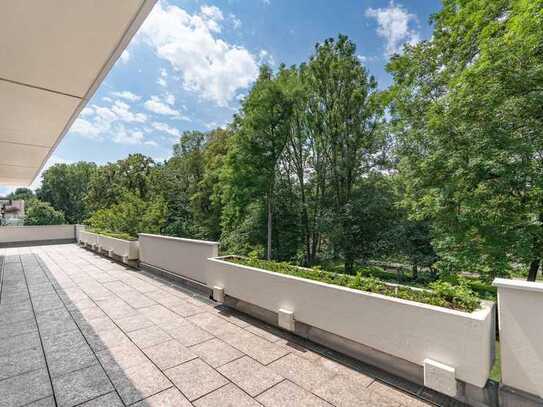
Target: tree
466	105
259	139
25	194
345	115
42	213
132	215
108	184
65	186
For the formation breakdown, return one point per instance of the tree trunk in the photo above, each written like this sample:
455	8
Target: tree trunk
270	214
534	267
415	272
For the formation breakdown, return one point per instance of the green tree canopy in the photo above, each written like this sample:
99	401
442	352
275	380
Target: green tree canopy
42	213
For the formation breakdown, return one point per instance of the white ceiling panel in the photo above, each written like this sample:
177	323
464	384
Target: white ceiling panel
53	56
61	44
23	155
33	116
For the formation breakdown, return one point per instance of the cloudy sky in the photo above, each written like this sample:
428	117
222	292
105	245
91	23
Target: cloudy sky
192	61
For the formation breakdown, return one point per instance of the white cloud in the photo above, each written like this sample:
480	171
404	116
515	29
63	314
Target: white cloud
264	57
125	56
236	22
170	99
163	127
122	110
394	26
156	105
125	94
110	122
162	80
207	64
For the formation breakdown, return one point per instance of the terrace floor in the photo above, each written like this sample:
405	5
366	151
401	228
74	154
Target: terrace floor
79	329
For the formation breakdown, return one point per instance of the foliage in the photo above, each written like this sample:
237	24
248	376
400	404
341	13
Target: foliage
116	235
42	213
132	215
25	194
444	294
466	110
64	186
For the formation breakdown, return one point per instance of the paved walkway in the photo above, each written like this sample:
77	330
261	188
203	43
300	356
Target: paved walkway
78	329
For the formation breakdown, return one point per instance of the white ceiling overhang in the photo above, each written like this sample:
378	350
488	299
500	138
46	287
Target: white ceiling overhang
53	56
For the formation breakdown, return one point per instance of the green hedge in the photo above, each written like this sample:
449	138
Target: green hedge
117	235
443	294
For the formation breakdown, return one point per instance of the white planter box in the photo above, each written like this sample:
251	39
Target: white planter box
408	330
89	238
127	249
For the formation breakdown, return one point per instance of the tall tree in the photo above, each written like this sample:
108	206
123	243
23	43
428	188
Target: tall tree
345	112
258	142
467	105
65	186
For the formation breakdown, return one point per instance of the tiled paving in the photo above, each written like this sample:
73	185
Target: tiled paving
79	329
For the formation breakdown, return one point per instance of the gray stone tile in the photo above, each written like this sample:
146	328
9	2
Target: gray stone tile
215	325
186	332
16	315
183	308
167	398
256	347
81	385
139	382
121	357
134	322
269	333
16	344
149	336
305	373
216	352
195	378
18	328
70	359
88	314
343	391
16	363
46	402
107	400
250	375
47	302
227	396
55	321
115	307
25	388
169	354
62	341
288	394
106	339
382	395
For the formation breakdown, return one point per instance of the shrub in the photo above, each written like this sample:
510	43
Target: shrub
444	295
42	213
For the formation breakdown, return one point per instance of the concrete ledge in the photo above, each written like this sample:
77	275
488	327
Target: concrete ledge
36	243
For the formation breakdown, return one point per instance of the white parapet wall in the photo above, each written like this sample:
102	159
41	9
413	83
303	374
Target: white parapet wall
184	257
20	234
408	330
521	332
127	249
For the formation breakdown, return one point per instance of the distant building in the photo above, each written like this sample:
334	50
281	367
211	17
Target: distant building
12	212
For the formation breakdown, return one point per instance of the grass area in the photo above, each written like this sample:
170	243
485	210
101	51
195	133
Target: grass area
116	235
443	294
496	372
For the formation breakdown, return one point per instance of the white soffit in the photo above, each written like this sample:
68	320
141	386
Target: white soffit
53	56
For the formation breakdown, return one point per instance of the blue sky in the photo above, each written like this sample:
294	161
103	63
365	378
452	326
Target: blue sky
192	61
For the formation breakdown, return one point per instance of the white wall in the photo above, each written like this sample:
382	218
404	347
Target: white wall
185	257
520	305
408	330
120	247
14	234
